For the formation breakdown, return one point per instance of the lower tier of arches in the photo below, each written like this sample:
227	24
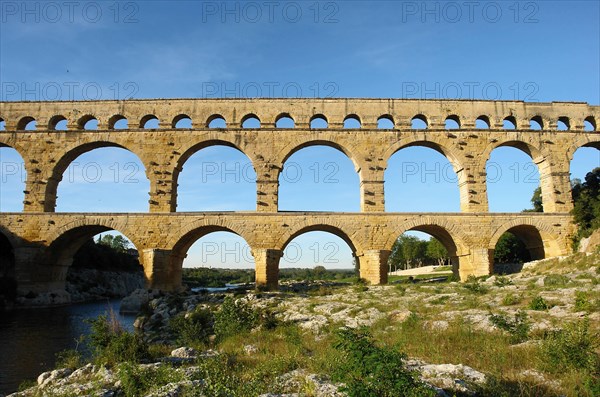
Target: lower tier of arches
42	245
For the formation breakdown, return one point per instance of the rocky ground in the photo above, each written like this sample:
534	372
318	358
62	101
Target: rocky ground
550	293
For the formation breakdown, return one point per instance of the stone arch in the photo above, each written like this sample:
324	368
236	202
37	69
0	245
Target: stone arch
420	117
146	119
537	119
214	117
83	120
114	120
190	151
316	117
250	116
284	116
509	119
539	238
592	121
447	233
23	122
2	124
565	121
66	240
7	254
454	118
320	226
484	118
54	120
353	118
178	118
386	117
582	141
296	146
67	158
26	166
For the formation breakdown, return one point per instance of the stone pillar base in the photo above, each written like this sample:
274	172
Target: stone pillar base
267	267
374	266
160	269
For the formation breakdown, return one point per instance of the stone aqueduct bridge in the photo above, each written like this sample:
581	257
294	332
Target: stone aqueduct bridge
40	243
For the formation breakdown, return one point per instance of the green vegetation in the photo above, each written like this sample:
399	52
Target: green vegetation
538	303
107	253
410	251
586	203
369	370
518	327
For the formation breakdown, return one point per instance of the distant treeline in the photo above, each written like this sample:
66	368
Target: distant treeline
214	278
110	253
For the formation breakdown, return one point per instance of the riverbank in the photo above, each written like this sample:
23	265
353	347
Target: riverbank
531	333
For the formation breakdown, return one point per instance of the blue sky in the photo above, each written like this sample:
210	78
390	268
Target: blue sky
529	50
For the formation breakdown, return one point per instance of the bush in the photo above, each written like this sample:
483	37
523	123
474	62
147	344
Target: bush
193	328
518	327
138	381
556	280
234	317
70	358
572	347
538	303
111	344
369	370
586	303
511	299
502	281
475	287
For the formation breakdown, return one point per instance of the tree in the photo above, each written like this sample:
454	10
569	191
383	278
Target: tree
405	251
117	243
435	250
536	201
510	249
586	202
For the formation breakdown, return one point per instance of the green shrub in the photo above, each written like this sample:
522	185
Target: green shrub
573	347
511	299
556	280
502	281
369	370
440	301
70	358
193	328
138	381
234	317
518	327
475	287
111	344
538	303
584	302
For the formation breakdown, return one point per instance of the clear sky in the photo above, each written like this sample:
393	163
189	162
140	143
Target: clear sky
526	50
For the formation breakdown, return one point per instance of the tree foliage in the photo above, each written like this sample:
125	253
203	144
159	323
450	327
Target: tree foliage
536	201
410	251
586	203
510	249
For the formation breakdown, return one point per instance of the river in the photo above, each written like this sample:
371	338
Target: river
30	338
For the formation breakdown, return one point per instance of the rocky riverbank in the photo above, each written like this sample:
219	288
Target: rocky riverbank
498	335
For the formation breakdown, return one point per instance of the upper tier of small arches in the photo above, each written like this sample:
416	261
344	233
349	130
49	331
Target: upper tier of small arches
340	114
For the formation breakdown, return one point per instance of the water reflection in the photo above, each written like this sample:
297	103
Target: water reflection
30	339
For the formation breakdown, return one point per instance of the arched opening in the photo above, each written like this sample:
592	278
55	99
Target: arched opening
284	120
96	263
519	244
512	178
213	256
8	282
426	251
509	123
182	121
352	121
385	122
149	122
482	123
585	159
250	121
99	177
118	122
318	254
88	122
318	121
416	177
57	123
319	176
589	124
536	123
452	122
27	124
419	122
12	183
2	124
563	124
216	121
215	176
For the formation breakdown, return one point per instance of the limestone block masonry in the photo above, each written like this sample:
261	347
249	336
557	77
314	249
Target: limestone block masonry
42	242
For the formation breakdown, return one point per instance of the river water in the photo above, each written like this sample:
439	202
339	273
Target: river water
30	339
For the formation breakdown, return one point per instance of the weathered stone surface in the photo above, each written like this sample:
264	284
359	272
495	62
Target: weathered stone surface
42	240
